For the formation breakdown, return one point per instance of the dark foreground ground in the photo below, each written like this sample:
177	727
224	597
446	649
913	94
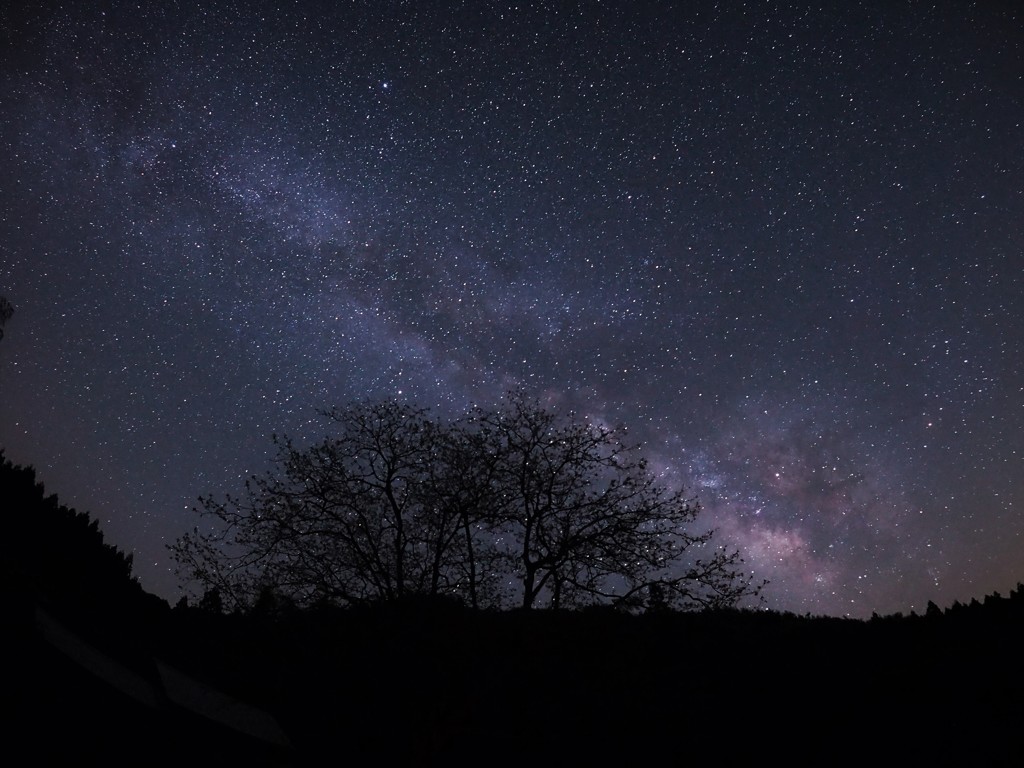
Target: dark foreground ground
430	685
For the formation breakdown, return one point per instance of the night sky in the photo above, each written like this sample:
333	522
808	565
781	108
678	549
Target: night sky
782	243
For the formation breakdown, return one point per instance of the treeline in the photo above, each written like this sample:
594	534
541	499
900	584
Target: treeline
425	680
54	553
993	606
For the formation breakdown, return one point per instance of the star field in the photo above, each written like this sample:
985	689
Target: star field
782	243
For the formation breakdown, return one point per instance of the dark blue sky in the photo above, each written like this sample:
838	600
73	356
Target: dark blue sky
783	243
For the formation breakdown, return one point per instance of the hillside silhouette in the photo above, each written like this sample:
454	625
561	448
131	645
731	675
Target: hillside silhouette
99	669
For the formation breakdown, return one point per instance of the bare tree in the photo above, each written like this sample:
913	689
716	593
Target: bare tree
514	505
342	521
582	520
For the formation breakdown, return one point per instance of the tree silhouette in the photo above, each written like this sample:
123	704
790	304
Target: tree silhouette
582	520
514	505
350	520
211	601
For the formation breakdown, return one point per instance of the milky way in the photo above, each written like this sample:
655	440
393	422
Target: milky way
783	245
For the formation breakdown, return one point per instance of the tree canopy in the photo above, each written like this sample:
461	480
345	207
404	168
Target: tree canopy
512	506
